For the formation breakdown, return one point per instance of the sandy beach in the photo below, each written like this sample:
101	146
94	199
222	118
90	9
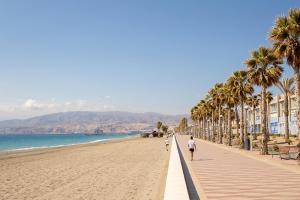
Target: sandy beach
125	169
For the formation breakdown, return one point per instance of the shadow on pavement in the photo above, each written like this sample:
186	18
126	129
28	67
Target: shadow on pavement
203	159
188	179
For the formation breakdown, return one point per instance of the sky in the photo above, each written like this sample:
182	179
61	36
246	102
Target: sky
127	55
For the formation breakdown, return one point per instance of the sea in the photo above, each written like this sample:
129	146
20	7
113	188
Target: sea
18	142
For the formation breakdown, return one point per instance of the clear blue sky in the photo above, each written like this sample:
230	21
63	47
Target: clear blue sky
143	55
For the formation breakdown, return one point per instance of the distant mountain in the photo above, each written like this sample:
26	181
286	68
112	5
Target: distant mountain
88	122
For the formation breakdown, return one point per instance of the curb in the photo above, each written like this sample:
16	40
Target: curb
176	188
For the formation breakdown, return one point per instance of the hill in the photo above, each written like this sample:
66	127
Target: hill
87	122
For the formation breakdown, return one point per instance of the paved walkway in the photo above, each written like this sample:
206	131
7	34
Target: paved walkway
227	175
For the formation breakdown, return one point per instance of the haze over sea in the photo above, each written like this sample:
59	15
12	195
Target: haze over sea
33	141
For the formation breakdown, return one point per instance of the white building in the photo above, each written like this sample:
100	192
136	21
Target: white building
276	120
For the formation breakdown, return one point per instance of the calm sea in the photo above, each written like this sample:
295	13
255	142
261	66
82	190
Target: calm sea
32	141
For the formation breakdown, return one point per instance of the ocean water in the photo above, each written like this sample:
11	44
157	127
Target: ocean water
32	141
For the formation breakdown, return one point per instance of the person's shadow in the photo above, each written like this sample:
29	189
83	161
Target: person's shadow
193	194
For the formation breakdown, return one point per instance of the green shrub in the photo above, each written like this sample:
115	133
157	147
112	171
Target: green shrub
155	134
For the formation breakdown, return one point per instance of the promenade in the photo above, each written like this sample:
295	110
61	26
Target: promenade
221	174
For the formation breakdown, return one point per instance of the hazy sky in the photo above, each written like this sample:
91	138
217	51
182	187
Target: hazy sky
141	56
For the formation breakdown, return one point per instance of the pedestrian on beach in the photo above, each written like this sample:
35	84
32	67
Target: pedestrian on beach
192	147
167	143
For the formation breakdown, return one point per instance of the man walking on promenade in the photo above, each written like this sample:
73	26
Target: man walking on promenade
192	147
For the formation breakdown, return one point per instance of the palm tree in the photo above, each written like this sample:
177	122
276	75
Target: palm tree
183	125
194	117
217	95
201	116
286	85
164	128
237	117
264	71
230	100
285	37
158	126
253	101
200	113
241	88
212	112
209	113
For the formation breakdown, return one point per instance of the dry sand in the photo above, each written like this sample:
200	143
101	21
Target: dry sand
127	169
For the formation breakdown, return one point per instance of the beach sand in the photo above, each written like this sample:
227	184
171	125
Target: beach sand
125	169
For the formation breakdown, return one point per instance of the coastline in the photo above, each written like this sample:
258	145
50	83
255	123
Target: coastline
113	169
29	149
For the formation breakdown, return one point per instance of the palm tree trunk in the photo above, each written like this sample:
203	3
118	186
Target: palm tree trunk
208	130
225	125
246	126
206	125
193	129
220	126
237	121
203	128
286	117
297	93
264	122
254	121
242	125
198	127
229	127
290	108
268	118
213	126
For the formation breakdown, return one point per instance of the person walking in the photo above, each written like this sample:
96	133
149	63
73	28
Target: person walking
192	147
167	142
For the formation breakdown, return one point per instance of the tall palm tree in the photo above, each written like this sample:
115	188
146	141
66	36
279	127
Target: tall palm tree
200	113
230	100
209	108
241	88
183	125
264	71
237	117
285	37
212	107
194	117
202	116
286	85
217	95
164	129
158	126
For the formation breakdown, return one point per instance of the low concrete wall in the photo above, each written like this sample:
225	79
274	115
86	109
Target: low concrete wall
175	185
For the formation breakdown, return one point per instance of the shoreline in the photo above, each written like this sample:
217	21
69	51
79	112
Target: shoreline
29	149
